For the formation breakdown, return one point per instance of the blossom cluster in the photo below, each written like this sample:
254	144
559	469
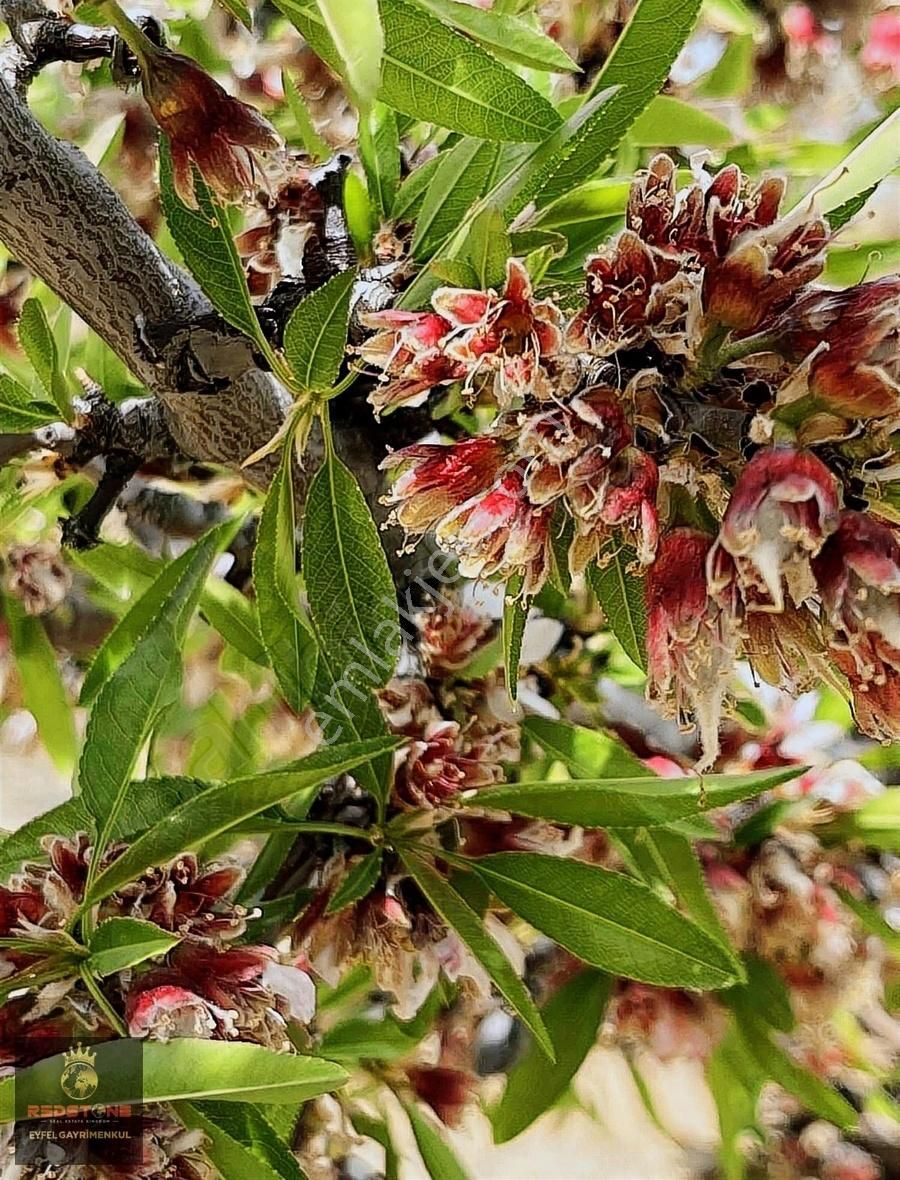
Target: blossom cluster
592	436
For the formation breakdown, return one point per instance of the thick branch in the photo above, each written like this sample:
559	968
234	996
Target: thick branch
61	218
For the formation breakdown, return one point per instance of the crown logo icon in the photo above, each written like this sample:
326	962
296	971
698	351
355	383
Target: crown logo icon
79	1054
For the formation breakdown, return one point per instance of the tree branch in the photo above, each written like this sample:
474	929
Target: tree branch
61	218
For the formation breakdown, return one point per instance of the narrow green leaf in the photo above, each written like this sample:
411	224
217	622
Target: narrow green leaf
203	236
235	617
437	1155
239	11
355	32
607	920
866	165
488	248
459	178
572	1016
40	348
435	74
183	1068
18	413
145	804
670	121
146	610
628	802
315	337
220	808
515	616
839	217
681	871
735	1081
507	36
286	635
131	701
412	189
588	753
43	692
461	918
379	147
119	943
351	592
358	882
639	64
313	143
378	1130
621	595
239	1141
777	1065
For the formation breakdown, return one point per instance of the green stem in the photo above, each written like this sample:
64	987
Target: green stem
102	1002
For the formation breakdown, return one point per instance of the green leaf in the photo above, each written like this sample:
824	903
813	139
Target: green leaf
524	172
378	1130
358	883
315	337
183	1068
588	753
412	189
18	414
203	236
313	143
239	1141
131	701
628	802
438	76
735	1081
437	1155
607	920
639	64
43	692
379	148
355	33
488	248
286	635
235	617
765	995
348	582
866	165
460	917
817	1096
873	923
670	121
40	348
145	803
146	610
515	616
507	36
460	177
572	1016
239	11
680	870
219	808
119	943
839	217
621	595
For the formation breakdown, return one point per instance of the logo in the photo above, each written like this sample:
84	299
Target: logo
79	1078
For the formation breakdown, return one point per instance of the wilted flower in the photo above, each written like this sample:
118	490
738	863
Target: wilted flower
435	478
447	1091
440	764
38	576
858	575
508	334
671	1023
168	1011
449	636
501	532
204	124
783	507
633	292
851	339
410	348
690	641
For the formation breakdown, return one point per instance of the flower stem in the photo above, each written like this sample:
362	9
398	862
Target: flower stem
133	36
101	1001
